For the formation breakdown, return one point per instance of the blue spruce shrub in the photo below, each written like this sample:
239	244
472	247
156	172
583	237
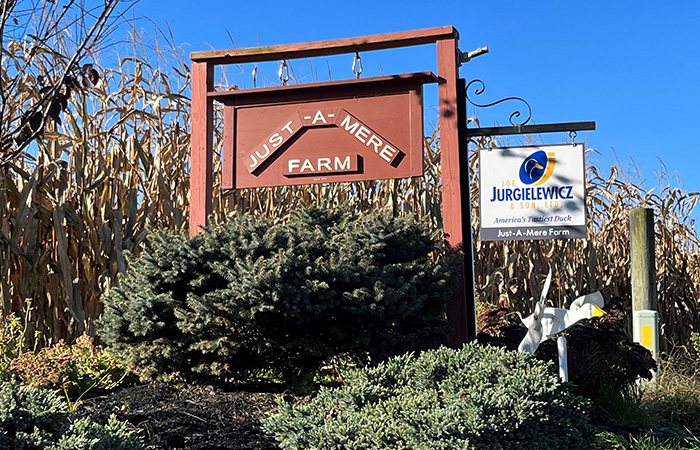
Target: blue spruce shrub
474	398
35	419
29	417
260	294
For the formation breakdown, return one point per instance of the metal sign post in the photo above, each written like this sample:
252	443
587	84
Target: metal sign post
533	192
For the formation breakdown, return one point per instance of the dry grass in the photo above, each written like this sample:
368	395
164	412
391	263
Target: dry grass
675	395
118	165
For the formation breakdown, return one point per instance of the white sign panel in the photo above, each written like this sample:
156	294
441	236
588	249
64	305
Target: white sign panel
533	192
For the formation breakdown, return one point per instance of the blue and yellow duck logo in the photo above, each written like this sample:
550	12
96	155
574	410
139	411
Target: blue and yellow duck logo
537	168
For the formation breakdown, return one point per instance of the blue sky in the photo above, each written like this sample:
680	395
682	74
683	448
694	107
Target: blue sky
631	66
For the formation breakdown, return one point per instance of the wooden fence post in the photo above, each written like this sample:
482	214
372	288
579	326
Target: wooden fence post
642	259
645	318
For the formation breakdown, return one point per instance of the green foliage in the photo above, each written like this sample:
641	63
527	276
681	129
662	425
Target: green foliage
475	398
29	418
256	294
693	442
695	342
73	368
11	342
14	340
622	407
679	408
86	434
34	419
650	442
611	441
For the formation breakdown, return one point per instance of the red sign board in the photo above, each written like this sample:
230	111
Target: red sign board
324	132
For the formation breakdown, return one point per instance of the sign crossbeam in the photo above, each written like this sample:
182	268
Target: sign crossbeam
531	129
327	48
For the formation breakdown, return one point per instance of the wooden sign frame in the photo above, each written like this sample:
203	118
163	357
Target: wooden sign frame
461	312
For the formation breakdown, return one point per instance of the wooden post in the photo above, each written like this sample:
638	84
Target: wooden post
452	205
642	259
201	155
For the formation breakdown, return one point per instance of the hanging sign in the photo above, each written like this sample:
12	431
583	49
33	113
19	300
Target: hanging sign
364	129
535	192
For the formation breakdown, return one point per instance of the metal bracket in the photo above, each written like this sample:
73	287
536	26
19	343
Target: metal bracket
519	127
463	57
481	87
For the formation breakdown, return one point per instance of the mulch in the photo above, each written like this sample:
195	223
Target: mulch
188	417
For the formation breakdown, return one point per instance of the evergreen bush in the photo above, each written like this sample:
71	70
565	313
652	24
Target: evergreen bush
478	397
257	294
35	419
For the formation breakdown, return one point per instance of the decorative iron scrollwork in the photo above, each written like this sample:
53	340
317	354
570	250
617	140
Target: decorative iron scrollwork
481	87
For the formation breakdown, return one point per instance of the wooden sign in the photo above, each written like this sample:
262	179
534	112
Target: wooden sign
366	129
255	121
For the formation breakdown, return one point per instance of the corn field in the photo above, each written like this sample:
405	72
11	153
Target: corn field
117	166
